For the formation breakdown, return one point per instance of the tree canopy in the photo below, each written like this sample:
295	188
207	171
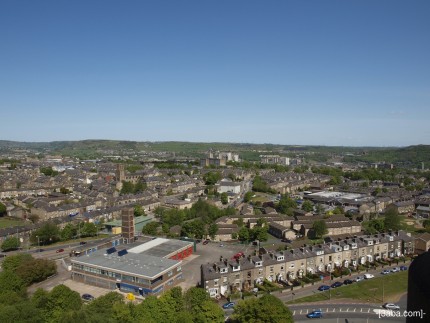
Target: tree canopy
2	209
267	308
319	228
11	243
392	220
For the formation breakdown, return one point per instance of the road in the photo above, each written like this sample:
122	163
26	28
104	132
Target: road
348	312
288	295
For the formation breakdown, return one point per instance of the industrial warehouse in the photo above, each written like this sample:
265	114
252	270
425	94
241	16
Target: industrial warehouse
140	268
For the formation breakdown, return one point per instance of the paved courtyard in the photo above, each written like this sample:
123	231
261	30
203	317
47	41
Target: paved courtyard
208	254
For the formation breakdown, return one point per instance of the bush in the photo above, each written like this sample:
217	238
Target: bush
236	295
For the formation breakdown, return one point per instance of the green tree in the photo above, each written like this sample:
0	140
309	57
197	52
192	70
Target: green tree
61	300
68	232
338	210
285	204
102	307
174	298
127	188
267	308
211	178
373	226
154	310
11	263
224	198
150	228
22	311
48	171
10	281
36	271
2	209
307	206
319	228
208	311
248	196
392	220
11	243
213	230
194	298
243	234
89	229
47	234
259	233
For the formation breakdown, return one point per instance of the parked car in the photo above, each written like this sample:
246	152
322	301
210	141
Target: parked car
228	305
403	268
315	314
60	250
87	297
368	276
395	269
323	287
391	306
336	284
206	242
385	272
221	245
238	255
348	281
359	278
82	243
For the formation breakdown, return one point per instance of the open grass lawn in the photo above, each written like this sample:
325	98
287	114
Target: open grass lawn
7	222
262	197
370	290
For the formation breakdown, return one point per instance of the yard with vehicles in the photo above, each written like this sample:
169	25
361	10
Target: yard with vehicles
375	290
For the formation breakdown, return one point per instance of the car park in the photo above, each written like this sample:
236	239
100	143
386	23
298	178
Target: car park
315	314
336	284
395	269
87	297
348	281
402	268
368	276
228	305
391	306
323	287
385	272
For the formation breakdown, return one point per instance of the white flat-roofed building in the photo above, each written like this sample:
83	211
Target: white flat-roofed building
139	268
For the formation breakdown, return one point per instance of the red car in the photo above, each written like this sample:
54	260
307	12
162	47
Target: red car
238	255
60	250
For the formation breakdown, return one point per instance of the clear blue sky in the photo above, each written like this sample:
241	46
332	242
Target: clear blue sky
290	72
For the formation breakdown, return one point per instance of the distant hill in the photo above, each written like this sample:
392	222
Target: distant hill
410	156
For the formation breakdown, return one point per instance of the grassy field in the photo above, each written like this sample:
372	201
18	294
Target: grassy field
392	286
7	222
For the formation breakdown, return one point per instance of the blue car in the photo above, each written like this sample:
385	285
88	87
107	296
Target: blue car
336	284
323	287
403	268
228	305
315	314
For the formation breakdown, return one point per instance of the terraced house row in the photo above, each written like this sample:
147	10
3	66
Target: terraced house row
225	276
